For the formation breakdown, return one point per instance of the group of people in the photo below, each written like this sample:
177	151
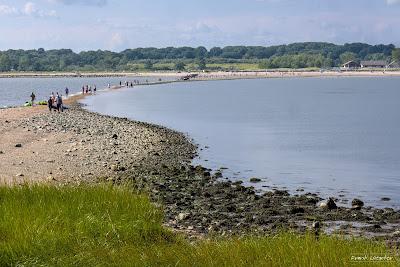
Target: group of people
88	89
130	84
56	102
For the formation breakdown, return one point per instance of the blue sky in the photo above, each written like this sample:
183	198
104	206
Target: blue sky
120	24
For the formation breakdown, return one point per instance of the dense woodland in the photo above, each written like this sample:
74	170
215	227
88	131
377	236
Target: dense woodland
296	55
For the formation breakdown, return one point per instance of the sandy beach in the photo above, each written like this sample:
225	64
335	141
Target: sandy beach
39	145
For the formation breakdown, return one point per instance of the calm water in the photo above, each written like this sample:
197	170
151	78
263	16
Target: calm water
15	92
328	135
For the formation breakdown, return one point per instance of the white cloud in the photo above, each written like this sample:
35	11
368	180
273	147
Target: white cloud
392	2
81	2
8	10
29	10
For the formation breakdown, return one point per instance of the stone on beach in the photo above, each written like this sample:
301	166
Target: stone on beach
329	205
255	180
357	204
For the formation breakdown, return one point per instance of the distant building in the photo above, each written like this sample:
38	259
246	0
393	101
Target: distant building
377	64
393	65
350	65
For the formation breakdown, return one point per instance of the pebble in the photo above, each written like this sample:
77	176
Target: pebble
255	180
357	204
182	216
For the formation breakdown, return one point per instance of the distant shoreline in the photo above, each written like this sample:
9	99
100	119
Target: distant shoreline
215	75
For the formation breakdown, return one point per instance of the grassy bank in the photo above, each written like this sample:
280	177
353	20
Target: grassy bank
104	225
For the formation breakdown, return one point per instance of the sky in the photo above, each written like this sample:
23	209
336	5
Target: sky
120	24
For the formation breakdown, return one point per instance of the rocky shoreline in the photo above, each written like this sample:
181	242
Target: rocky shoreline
196	200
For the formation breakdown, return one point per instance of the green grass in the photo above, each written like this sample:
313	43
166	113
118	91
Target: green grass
112	226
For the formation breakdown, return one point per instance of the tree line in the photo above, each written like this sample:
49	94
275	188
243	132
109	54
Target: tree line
296	55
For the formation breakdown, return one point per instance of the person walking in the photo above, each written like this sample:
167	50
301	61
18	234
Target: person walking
53	99
33	97
66	92
59	103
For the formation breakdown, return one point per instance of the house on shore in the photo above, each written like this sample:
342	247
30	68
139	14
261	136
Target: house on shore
350	65
374	64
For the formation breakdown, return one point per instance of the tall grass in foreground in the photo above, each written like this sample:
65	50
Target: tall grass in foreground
104	225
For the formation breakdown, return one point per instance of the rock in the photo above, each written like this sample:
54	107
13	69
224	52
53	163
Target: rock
382	199
182	216
281	192
115	136
114	168
217	174
18	145
1	152
51	178
357	204
255	180
50	161
19	175
296	210
316	225
330	204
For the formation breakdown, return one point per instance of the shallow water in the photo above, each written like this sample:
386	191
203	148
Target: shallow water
333	136
17	91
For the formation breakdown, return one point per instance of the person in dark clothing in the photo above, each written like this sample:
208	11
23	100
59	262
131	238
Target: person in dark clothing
60	104
50	103
33	97
66	92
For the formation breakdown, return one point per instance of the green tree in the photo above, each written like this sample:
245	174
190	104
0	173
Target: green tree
347	56
5	63
396	54
200	52
179	65
148	65
201	63
24	63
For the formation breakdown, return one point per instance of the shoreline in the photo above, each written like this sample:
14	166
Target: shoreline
87	146
209	75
